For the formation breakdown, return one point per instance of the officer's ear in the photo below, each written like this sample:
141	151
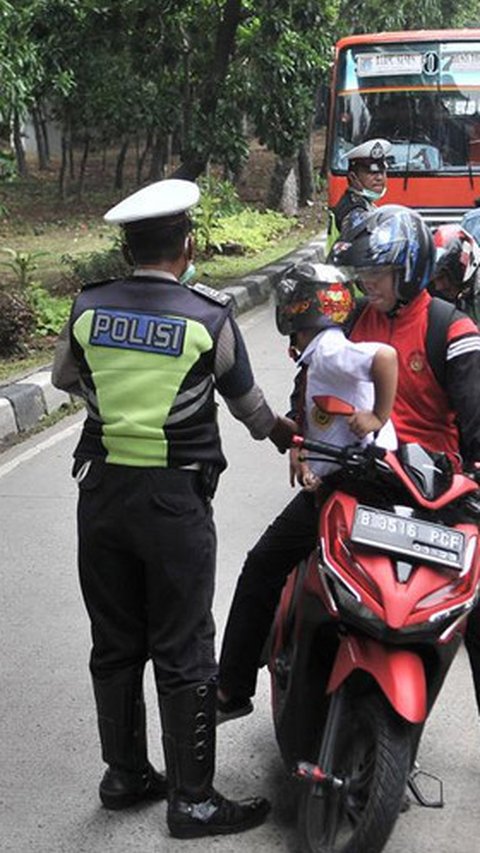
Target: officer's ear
189	247
353	179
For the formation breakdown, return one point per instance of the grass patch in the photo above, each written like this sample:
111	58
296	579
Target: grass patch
12	369
224	267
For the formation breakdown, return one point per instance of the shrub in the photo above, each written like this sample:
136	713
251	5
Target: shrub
17	322
22	264
95	266
252	229
51	312
218	199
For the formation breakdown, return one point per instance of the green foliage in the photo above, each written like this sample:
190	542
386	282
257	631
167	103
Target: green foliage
17	322
95	266
198	72
376	16
218	198
8	170
22	264
224	192
220	219
252	229
51	312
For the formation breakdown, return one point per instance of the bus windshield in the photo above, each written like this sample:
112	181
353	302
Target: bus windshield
423	97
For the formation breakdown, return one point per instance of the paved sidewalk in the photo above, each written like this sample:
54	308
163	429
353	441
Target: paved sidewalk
25	402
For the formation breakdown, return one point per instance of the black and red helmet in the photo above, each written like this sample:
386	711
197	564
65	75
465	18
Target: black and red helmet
392	236
457	255
312	296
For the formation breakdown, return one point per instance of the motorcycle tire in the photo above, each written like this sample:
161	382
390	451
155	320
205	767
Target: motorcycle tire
373	755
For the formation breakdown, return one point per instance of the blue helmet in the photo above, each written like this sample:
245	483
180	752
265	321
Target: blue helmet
392	236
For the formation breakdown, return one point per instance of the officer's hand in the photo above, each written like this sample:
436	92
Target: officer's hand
282	433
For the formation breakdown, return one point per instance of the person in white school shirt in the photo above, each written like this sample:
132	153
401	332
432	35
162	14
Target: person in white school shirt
361	376
312	303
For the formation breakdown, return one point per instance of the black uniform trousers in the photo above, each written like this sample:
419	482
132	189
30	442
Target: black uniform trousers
290	538
147	550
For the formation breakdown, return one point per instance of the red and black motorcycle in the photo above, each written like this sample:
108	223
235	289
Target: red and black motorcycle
365	633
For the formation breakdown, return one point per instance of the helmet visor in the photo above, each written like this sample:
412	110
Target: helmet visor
360	275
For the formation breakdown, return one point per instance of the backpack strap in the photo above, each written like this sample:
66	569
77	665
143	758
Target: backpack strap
440	317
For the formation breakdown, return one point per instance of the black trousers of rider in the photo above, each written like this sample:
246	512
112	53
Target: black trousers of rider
147	549
289	539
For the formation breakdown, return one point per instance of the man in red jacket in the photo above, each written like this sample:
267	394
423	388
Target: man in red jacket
391	256
391	252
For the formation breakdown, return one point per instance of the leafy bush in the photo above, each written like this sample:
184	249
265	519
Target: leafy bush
8	167
17	322
218	199
95	266
224	191
22	264
252	229
221	219
51	312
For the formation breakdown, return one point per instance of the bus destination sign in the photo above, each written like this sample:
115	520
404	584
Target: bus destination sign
386	64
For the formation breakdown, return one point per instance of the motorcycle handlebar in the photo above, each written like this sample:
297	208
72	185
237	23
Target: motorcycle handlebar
342	454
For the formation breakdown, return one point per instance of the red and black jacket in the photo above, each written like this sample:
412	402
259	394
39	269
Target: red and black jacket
442	418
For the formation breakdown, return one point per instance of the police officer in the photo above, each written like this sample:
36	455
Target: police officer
146	353
367	183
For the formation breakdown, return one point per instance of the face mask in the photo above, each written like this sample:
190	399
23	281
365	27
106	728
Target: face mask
189	273
372	195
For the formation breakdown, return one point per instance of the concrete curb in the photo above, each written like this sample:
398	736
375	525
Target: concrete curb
24	403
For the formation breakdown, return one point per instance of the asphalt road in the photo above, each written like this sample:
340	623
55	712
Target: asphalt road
50	762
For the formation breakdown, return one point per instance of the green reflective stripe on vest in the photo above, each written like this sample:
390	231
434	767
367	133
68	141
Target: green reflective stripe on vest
135	391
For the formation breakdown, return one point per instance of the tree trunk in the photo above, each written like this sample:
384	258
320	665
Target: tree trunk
18	145
305	173
44	131
194	164
39	139
63	165
118	183
143	156
157	163
83	166
283	167
71	158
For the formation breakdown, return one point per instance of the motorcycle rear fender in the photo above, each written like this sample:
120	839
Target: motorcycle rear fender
399	673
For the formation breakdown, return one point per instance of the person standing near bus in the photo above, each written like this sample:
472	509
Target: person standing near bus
367	184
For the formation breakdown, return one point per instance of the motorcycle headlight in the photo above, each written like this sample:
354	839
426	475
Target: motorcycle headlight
347	598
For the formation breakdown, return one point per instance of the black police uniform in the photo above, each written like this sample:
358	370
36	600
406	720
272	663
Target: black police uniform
146	354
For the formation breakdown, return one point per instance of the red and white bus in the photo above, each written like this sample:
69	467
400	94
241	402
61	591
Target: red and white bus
421	91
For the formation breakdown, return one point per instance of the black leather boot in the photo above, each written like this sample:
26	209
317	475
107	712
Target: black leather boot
129	778
195	809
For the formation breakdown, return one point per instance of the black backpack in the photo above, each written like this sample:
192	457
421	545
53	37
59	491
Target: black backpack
441	314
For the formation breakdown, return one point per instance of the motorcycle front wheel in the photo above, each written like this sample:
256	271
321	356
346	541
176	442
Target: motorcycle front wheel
372	756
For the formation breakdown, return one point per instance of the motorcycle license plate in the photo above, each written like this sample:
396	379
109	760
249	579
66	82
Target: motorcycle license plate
409	537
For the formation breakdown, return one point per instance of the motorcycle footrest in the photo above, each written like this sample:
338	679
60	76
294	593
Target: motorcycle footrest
416	789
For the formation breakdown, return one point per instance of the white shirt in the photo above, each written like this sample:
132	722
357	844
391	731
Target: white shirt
340	368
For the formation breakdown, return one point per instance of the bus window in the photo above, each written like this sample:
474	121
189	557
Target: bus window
421	91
